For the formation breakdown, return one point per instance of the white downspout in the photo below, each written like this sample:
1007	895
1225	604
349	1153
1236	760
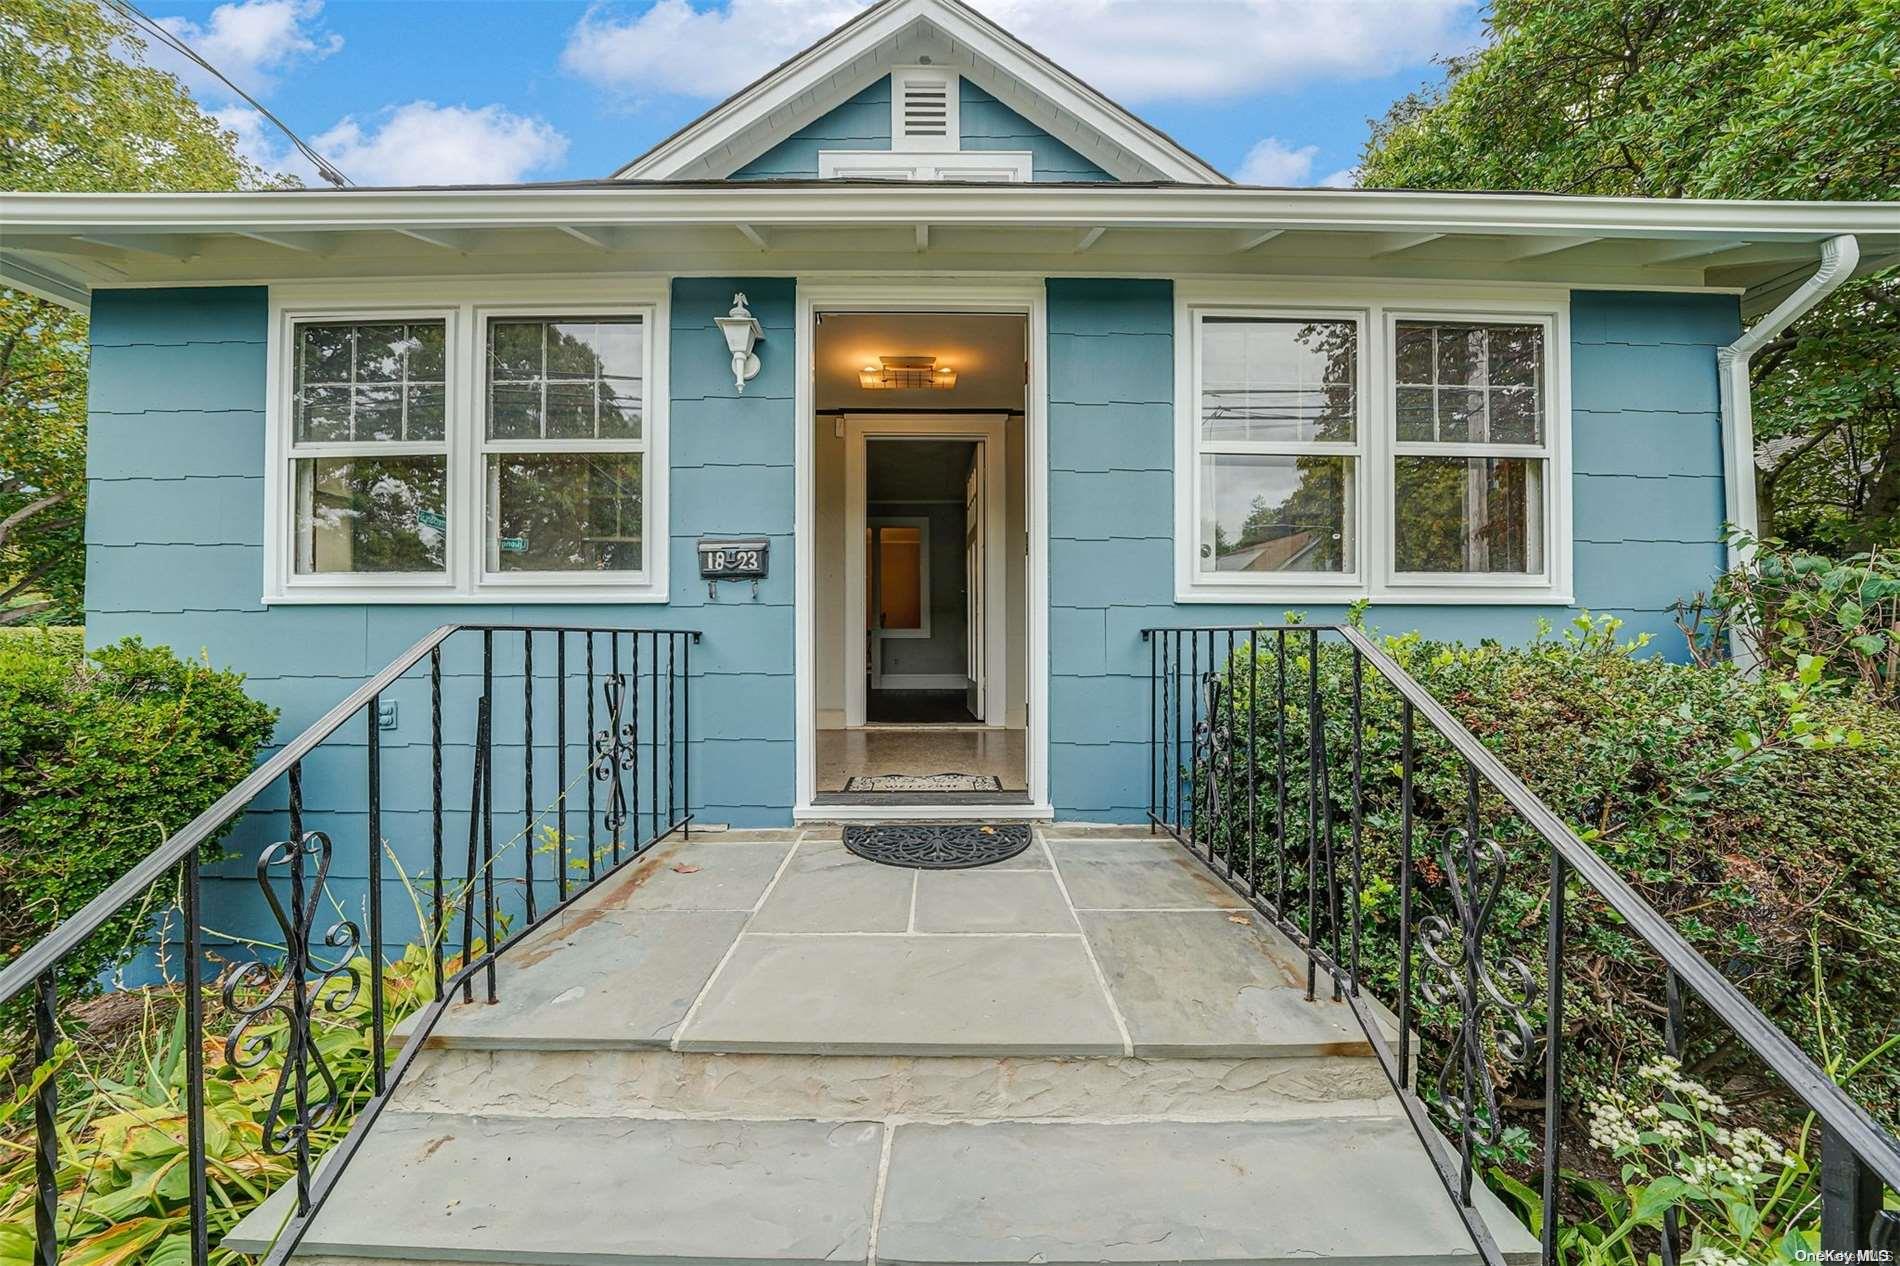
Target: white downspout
1839	255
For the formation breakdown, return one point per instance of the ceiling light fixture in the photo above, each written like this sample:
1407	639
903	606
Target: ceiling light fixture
906	372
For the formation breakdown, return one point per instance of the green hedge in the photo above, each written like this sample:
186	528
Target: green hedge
102	756
1762	817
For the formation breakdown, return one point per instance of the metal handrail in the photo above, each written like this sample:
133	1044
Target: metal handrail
611	757
1859	1156
18	976
1849	1122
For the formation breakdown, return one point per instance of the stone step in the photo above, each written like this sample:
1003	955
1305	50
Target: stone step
1085	946
659	1082
601	1191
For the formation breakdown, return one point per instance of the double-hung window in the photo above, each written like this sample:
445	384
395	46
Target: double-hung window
1339	440
459	448
1471	450
369	458
1277	446
563	446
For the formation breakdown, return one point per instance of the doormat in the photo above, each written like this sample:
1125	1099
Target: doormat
925	782
936	845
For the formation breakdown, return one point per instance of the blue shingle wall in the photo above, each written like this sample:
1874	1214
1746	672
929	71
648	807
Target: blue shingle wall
864	123
174	554
174	538
1647	502
986	123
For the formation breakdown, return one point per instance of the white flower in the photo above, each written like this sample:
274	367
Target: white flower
1706	1256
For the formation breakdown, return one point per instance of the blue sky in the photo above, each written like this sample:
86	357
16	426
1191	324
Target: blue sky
447	91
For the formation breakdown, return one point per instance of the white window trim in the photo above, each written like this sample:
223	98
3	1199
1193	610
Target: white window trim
1348	581
465	305
1545	452
998	166
1382	307
922	524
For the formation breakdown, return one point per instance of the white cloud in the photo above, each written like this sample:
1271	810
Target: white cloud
1202	50
707	52
251	41
1134	50
1272	162
260	141
422	143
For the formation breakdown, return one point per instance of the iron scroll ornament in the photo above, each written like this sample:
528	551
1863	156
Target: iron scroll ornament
1459	974
615	749
1211	759
295	993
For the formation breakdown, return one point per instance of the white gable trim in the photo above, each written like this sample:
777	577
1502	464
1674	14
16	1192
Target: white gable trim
884	37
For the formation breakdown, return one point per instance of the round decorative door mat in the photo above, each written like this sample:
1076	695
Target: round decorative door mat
937	845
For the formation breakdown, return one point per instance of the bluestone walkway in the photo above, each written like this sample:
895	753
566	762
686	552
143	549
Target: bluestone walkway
756	1047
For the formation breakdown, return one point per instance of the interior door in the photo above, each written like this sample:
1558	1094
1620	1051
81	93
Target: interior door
974	588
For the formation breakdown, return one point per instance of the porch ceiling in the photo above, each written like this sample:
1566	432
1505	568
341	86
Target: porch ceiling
62	245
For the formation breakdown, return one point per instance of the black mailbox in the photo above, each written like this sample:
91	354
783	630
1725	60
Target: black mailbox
748	559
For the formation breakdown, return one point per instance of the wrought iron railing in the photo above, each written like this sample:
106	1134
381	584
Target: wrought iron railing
619	755
1240	773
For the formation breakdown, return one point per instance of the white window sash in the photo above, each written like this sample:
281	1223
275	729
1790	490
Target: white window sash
1199	447
488	574
284	470
1540	528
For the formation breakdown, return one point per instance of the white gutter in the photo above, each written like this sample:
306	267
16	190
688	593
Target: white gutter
1839	255
766	203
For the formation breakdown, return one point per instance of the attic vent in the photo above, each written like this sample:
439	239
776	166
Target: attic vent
923	109
926	110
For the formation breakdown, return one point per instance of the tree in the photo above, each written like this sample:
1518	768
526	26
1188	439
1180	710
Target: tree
1706	99
80	110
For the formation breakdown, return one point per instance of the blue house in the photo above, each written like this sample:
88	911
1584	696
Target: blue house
915	435
918	378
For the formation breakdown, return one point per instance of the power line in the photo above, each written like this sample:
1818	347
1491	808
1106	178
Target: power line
131	13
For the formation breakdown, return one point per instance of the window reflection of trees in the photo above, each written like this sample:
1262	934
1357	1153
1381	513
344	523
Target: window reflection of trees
566	380
368	514
1281	382
1304	530
569	512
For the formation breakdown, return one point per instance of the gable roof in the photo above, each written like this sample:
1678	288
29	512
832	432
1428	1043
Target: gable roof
899	32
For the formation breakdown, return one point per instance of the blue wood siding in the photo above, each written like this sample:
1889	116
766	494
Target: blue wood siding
1647	503
174	544
864	123
175	530
986	123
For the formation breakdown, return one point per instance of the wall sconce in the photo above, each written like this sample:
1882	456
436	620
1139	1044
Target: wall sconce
742	333
907	372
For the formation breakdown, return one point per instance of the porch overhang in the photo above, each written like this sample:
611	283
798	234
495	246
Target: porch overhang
61	246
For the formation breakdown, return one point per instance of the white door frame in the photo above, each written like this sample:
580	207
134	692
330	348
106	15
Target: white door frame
924	293
990	433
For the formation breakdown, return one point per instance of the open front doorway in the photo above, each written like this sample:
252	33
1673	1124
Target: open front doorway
920	560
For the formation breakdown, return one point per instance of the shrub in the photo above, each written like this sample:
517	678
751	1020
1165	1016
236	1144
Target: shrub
124	1185
1790	603
102	756
1760	817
